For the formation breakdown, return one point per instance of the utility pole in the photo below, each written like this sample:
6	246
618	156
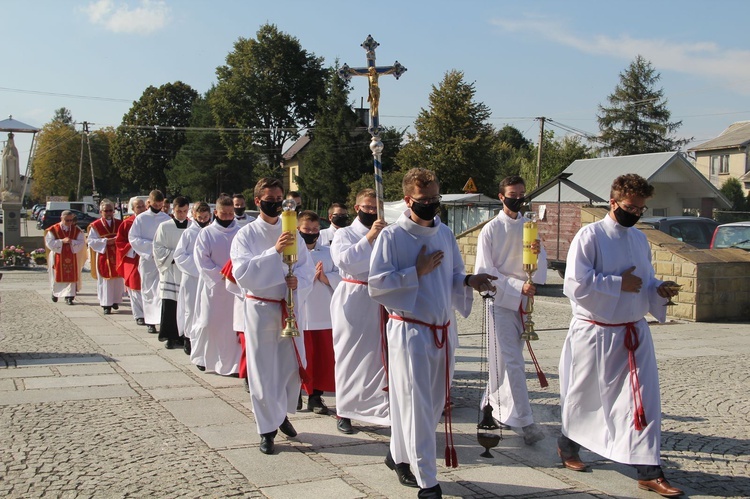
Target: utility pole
539	152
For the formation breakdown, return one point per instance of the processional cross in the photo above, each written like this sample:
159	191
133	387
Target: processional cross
373	72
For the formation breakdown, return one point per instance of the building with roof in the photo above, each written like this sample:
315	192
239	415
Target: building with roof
460	212
726	156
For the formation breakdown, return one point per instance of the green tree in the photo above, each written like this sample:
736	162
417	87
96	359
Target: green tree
108	181
201	169
513	151
732	190
557	155
636	119
270	86
453	138
145	144
64	116
56	161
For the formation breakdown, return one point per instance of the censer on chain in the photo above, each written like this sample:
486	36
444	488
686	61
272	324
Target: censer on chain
489	432
289	257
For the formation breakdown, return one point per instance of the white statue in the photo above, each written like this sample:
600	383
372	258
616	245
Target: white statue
11	181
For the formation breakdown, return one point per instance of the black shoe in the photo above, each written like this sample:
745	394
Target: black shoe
266	442
403	472
140	321
115	306
170	345
107	310
430	493
163	338
186	346
344	425
315	404
69	300
299	402
54	299
287	428
152	329
201	368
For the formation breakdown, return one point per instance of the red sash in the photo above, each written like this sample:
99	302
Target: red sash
451	458
66	262
127	266
106	263
631	344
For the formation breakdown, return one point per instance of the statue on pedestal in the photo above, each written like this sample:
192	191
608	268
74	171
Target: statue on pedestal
10	188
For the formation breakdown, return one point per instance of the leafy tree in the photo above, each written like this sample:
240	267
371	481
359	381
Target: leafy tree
269	85
732	190
201	169
636	121
513	151
64	116
557	155
108	181
56	161
453	137
146	144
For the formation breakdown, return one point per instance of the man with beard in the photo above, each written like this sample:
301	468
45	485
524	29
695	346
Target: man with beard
339	218
361	382
165	242
215	348
274	363
128	260
65	240
141	238
110	286
183	258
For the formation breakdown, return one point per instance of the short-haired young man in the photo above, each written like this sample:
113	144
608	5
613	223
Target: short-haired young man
609	382
339	217
500	253
417	273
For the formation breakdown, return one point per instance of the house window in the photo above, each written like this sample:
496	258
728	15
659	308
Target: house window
720	164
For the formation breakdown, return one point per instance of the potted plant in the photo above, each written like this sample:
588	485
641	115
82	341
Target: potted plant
40	256
14	256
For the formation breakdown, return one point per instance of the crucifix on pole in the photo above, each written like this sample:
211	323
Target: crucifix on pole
373	72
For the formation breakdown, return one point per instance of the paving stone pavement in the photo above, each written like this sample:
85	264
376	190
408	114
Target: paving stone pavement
93	406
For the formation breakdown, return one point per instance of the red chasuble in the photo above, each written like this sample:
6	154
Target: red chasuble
106	263
127	266
66	262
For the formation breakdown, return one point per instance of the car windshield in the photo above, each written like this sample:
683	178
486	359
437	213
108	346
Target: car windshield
733	237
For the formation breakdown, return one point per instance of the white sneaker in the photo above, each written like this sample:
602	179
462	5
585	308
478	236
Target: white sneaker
532	434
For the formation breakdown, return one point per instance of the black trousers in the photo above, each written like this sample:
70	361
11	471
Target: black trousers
168	327
569	448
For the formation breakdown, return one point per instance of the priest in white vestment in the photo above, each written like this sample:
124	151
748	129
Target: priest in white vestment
417	273
358	343
165	242
183	258
141	238
65	241
609	382
500	253
216	348
274	363
110	286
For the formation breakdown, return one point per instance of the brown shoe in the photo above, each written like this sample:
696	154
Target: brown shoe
660	486
573	462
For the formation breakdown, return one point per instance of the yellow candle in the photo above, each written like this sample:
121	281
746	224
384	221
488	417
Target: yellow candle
289	224
530	234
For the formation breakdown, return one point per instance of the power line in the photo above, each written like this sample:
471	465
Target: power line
55	94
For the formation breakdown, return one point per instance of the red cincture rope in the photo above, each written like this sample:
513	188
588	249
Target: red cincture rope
631	344
451	457
284	314
539	373
383	316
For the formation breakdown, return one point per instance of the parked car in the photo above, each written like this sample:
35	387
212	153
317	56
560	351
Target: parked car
51	217
36	209
732	235
695	231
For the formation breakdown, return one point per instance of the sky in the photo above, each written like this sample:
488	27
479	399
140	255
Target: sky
557	59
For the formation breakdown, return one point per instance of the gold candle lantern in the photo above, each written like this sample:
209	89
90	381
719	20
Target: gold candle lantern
530	261
289	257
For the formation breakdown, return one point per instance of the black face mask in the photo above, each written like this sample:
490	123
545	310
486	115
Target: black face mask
203	224
340	220
513	204
309	238
239	211
154	210
425	211
625	218
224	223
367	219
271	208
181	225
